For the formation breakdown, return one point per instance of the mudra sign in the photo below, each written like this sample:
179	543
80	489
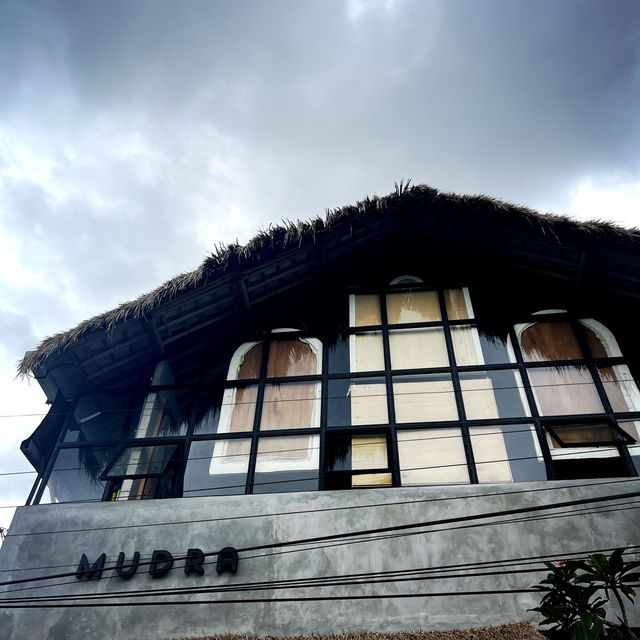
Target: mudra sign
160	564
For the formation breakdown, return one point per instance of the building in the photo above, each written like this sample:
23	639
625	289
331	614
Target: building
392	415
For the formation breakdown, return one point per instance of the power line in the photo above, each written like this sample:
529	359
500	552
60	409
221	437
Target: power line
388	529
325	509
399	380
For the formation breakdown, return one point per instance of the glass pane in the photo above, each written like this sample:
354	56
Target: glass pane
101	418
287	464
493	394
291	406
473	346
293	358
432	456
367	352
238	409
76	474
621	388
368	452
428	398
208	411
601	342
140	461
549	341
163	415
633	429
458	304
365	310
338	351
413	306
246	363
507	453
217	467
357	401
371	480
418	348
564	391
584	435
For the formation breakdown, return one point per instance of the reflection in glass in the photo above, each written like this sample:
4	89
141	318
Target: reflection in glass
292	358
357	401
458	304
620	387
287	464
413	306
217	467
493	394
432	456
364	310
338	358
76	472
246	362
209	407
292	405
238	409
507	453
633	429
427	398
543	341
564	391
418	348
473	346
101	417
146	472
346	453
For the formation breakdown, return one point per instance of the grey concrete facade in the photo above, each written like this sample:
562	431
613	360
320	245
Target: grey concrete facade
55	536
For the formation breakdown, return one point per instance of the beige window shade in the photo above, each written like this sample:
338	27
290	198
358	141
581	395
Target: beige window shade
368	452
369	354
424	401
368	403
413	306
549	341
456	304
251	362
418	348
564	391
490	453
289	406
620	387
432	456
291	358
479	399
230	456
366	311
244	408
466	346
365	480
286	453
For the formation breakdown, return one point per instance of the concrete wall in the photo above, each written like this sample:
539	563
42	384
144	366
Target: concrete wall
115	527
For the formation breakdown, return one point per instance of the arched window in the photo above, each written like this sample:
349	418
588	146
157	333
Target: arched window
582	389
273	391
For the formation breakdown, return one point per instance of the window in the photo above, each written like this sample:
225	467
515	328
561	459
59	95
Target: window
417	388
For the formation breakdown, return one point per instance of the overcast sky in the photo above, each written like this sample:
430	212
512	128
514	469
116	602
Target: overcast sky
135	135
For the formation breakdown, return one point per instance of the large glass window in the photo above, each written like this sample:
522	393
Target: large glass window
418	389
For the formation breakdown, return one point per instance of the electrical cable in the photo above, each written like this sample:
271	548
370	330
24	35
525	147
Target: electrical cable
391	528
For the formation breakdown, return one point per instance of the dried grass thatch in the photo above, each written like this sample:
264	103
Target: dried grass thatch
518	631
269	243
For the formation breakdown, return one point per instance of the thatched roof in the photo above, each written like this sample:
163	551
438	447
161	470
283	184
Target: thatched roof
270	243
518	631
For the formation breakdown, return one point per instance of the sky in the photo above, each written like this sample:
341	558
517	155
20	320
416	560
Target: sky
135	136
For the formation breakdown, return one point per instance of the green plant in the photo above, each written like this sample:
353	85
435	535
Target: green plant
573	605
